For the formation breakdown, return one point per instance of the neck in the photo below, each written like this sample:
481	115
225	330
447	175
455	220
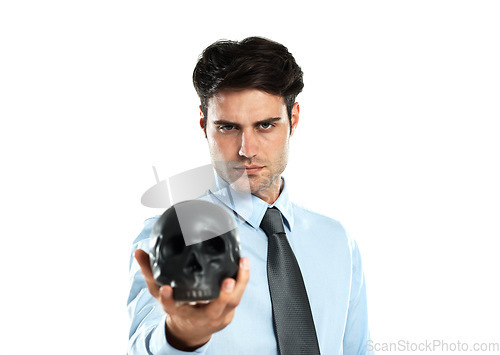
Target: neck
271	193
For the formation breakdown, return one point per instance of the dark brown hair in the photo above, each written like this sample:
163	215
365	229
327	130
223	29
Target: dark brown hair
253	63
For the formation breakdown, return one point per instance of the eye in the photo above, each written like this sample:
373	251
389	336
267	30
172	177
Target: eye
226	128
214	246
172	246
266	125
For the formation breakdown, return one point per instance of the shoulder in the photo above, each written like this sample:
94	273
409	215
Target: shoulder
146	229
327	226
304	214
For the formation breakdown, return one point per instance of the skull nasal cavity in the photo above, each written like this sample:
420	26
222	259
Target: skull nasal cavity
192	265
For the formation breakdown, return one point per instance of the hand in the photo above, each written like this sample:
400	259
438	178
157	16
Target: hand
190	327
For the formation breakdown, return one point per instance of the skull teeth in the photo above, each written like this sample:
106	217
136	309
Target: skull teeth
198	293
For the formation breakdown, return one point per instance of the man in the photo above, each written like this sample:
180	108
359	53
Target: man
248	114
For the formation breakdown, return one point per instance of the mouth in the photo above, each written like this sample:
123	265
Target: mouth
252	169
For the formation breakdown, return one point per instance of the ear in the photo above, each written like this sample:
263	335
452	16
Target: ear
202	121
295	117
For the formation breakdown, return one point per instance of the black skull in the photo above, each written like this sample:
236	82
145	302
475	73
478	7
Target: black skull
194	247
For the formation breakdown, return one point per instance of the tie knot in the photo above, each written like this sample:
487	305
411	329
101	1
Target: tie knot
272	222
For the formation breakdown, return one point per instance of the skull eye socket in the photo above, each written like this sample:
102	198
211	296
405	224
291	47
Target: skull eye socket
214	246
173	246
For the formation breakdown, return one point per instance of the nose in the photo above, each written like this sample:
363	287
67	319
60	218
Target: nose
249	145
193	265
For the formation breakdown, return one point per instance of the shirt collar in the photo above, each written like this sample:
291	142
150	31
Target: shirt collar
250	208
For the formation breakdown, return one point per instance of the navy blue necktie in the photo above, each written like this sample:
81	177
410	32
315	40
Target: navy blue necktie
292	318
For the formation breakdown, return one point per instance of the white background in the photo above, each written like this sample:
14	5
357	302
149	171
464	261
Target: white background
398	139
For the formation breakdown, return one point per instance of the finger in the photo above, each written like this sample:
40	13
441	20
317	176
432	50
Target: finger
143	260
241	281
231	291
166	297
179	308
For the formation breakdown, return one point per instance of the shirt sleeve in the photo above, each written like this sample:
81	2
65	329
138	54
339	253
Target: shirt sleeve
147	327
357	331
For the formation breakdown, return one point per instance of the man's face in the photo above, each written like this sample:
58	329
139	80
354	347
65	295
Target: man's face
248	133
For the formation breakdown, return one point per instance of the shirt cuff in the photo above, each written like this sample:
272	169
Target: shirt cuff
160	345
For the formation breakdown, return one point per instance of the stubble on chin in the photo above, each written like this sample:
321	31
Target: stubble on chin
269	189
265	185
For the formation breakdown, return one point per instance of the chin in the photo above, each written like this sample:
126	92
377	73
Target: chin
259	184
240	184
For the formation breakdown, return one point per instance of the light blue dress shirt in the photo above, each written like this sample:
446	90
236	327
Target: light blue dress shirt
330	263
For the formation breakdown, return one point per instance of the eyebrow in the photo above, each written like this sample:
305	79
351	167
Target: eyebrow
229	123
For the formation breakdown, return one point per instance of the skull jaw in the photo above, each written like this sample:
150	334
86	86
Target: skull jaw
190	294
193	287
